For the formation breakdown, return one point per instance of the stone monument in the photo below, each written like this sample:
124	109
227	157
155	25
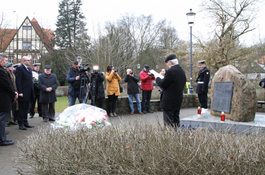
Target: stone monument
244	99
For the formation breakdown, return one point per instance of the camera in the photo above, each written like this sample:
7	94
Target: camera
115	71
83	68
151	74
131	72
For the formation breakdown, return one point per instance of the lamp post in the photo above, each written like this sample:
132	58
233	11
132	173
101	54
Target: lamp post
190	17
17	36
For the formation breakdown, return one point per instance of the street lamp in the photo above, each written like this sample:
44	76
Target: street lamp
190	17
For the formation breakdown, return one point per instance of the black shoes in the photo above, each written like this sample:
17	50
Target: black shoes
45	119
6	143
31	116
51	119
22	128
13	123
150	111
29	126
144	112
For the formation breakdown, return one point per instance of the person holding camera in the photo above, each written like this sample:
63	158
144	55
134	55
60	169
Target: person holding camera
133	90
147	87
113	89
74	77
96	91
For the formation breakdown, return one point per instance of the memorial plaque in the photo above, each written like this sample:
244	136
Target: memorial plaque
222	96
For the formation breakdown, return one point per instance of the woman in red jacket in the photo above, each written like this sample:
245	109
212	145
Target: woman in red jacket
147	87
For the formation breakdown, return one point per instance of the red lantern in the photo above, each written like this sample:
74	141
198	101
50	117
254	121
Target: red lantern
222	116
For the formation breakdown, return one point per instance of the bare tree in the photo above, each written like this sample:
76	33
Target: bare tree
231	20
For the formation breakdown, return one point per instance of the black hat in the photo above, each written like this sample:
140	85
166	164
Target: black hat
170	57
201	62
47	67
147	67
36	64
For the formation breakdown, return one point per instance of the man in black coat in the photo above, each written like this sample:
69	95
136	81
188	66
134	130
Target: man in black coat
35	73
202	81
48	84
7	96
25	91
96	90
172	84
133	90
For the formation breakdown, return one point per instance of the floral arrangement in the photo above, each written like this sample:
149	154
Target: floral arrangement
82	114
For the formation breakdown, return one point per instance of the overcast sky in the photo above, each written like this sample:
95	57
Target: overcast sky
98	11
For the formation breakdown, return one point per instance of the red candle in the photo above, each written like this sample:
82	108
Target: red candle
223	116
199	110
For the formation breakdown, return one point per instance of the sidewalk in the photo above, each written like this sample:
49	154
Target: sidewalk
8	152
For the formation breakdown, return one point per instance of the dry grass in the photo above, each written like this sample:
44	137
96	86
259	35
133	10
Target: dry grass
138	148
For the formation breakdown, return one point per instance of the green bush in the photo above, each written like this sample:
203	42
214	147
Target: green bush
138	148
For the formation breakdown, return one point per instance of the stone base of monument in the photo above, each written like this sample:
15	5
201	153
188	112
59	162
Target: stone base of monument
215	123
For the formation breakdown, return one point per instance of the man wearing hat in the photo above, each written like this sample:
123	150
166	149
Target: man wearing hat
172	84
202	81
35	73
48	84
25	91
13	114
147	86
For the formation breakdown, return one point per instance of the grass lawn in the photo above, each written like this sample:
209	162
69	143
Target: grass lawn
61	104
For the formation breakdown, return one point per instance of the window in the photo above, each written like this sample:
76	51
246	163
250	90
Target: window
11	59
26	27
34	60
26	45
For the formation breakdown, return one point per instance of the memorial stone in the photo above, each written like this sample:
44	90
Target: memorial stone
244	99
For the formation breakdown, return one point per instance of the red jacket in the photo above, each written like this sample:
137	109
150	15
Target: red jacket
146	81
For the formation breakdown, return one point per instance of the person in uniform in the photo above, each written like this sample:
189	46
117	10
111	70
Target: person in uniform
202	81
35	73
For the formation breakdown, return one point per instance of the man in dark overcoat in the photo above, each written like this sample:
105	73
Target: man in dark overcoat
172	84
48	84
96	90
7	96
202	81
25	91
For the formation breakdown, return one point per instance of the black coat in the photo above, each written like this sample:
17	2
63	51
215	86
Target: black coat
45	82
96	90
172	84
132	86
7	91
202	81
24	82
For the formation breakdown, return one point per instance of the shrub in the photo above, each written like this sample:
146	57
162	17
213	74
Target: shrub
138	148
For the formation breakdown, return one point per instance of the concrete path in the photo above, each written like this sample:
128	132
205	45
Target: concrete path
7	153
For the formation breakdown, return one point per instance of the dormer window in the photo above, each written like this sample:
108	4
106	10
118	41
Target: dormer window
26	27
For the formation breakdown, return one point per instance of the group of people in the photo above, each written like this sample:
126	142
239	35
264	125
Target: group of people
20	89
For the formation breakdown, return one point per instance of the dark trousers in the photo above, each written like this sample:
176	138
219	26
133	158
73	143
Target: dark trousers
32	105
3	119
171	118
112	103
48	110
146	97
23	108
99	103
203	100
